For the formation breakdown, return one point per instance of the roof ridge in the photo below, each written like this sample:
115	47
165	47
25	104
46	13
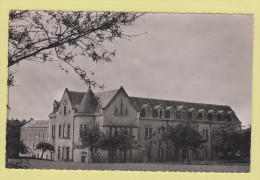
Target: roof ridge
178	101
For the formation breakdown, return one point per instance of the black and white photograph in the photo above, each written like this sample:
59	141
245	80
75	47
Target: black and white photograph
129	91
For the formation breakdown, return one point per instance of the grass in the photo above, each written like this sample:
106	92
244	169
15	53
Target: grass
227	167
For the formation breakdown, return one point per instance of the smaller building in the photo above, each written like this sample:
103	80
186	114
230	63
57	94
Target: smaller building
32	133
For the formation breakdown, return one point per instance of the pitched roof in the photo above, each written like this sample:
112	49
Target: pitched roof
103	98
37	124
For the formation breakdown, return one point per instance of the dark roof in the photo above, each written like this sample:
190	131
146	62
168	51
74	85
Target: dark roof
139	102
88	103
37	124
103	98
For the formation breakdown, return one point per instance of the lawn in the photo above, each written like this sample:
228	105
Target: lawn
44	164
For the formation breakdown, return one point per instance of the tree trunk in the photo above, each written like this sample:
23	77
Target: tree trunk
92	155
183	155
112	156
188	159
125	156
42	154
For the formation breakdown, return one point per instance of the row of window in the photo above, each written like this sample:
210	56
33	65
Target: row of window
39	135
149	131
184	114
64	153
64	131
117	129
122	110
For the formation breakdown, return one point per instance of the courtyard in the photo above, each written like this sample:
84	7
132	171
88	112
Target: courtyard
170	167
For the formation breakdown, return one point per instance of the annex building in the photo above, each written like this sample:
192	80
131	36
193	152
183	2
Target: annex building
111	111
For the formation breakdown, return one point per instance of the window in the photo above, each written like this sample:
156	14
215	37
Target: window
54	109
64	130
26	136
29	145
206	134
34	135
219	117
33	145
39	135
148	131
126	111
200	116
65	110
68	131
210	116
116	131
116	110
43	136
53	131
67	153
59	130
62	154
161	113
59	152
121	107
97	127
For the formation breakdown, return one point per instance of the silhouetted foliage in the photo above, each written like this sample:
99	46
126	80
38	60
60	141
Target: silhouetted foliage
90	138
13	143
61	36
44	146
185	137
230	140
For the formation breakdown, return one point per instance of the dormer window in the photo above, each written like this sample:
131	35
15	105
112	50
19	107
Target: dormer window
229	116
146	111
161	114
219	117
169	113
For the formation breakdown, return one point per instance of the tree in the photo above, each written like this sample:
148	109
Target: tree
246	143
226	139
127	142
44	146
185	137
90	138
13	144
113	142
42	36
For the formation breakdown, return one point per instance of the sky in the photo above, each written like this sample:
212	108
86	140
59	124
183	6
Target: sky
204	58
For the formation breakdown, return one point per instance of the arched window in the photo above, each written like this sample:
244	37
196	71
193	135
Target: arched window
206	134
97	127
59	152
148	131
34	135
68	131
64	130
160	152
116	131
43	136
65	110
161	115
200	116
59	130
126	111
116	110
121	107
39	135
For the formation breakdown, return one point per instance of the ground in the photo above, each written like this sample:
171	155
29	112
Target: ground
227	167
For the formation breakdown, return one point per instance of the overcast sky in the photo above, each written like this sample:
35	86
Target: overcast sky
187	57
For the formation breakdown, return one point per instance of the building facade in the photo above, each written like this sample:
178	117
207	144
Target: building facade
112	111
32	133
